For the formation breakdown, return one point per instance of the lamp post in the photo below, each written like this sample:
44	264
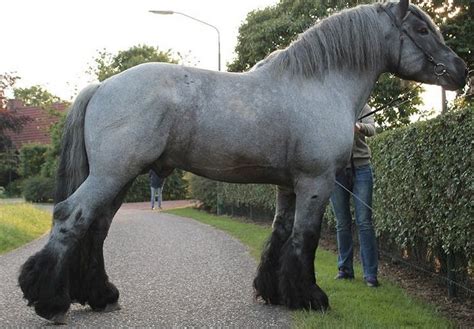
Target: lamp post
171	12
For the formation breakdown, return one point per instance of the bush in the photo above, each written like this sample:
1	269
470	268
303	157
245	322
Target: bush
32	158
9	161
260	196
204	190
14	189
424	186
38	189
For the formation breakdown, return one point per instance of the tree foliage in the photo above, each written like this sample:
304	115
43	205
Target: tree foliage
8	121
36	96
108	64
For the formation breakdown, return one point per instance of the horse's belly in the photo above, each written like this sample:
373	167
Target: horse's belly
243	174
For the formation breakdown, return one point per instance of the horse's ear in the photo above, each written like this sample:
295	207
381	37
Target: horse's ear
403	7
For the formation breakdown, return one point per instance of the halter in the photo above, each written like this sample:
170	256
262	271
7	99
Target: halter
438	68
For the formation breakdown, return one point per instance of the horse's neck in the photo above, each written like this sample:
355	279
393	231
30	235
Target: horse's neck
352	88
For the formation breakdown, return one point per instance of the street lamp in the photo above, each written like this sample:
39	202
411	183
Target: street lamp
171	12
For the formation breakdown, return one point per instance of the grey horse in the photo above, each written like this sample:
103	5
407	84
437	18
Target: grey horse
288	122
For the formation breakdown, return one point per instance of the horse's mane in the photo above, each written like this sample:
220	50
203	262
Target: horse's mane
350	38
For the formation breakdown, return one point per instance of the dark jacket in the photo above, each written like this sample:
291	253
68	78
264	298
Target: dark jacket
155	180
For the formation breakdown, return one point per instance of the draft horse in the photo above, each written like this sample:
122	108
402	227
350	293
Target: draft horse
288	122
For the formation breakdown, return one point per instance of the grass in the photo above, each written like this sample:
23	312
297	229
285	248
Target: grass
21	223
353	305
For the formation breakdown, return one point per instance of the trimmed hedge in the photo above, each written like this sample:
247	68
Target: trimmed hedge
425	183
213	194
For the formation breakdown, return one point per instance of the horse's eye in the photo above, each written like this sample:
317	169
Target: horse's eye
423	30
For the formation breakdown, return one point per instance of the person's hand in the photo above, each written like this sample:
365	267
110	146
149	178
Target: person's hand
357	127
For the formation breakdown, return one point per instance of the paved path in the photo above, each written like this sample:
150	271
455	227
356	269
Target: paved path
171	272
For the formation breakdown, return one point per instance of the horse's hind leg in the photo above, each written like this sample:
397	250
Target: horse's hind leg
297	282
89	282
45	277
266	281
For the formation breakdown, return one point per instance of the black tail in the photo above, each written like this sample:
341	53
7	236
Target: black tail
73	164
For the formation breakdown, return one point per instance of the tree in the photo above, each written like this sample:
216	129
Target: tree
36	96
107	64
39	97
8	121
275	27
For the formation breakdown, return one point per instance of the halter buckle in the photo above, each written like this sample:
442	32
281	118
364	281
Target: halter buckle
439	69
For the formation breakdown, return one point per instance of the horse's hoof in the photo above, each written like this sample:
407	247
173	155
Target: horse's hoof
318	300
112	307
59	318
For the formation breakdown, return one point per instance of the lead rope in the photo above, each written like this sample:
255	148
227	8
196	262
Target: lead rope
355	196
390	104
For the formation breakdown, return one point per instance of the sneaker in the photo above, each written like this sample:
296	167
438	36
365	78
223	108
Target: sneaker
344	276
372	282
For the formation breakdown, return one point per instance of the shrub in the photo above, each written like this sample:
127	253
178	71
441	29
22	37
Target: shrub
261	196
38	189
424	186
204	190
15	188
9	161
32	158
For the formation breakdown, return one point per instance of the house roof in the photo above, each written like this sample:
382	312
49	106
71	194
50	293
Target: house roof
36	129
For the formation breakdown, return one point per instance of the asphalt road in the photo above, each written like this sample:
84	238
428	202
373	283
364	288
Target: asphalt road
171	272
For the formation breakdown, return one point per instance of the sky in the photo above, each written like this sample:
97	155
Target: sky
53	43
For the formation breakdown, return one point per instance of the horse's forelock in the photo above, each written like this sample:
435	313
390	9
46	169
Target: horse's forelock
427	19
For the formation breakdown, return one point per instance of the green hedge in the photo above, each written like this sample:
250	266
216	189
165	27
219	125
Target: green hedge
204	190
425	183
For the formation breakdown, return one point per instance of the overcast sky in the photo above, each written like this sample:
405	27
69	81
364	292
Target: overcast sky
52	43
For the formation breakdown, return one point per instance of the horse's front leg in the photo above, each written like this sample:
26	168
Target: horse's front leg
297	282
50	278
266	281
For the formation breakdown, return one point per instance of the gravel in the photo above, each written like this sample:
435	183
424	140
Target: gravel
171	271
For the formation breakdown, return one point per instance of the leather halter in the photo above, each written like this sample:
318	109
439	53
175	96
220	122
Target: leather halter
438	68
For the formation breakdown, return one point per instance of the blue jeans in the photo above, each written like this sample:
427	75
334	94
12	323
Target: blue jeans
340	199
156	193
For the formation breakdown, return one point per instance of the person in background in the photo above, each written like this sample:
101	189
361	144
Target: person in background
156	186
358	178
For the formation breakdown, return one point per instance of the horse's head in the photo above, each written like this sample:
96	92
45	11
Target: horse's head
417	50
